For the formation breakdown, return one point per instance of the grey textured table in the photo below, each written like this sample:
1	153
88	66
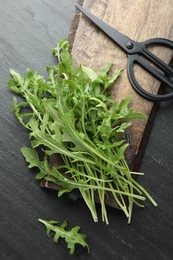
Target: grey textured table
28	32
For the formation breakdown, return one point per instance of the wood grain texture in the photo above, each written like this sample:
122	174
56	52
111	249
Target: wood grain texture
140	20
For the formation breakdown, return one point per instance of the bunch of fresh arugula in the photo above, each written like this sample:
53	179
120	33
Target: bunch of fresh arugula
72	114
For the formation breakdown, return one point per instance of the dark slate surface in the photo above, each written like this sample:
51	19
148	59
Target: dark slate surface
28	32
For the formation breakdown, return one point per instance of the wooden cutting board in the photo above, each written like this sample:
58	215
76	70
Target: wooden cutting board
140	20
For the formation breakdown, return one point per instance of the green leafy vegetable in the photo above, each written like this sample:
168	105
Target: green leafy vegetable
72	115
71	237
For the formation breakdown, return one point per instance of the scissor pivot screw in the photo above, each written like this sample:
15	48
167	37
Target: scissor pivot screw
130	45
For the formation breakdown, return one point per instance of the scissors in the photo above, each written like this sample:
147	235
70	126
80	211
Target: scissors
138	53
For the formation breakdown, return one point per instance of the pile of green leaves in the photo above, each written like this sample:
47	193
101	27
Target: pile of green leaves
73	115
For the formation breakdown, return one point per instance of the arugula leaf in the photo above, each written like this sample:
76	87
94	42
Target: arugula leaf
71	237
72	114
32	158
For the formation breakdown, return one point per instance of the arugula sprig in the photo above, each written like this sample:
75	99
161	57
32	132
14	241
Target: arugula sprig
72	114
71	237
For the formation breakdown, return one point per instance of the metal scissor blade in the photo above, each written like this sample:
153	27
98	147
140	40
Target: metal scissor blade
115	35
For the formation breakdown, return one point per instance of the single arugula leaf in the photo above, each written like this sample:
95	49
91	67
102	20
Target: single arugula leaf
32	158
90	73
71	237
122	127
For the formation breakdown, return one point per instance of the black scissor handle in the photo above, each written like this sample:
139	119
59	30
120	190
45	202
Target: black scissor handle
144	59
158	62
158	41
141	91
